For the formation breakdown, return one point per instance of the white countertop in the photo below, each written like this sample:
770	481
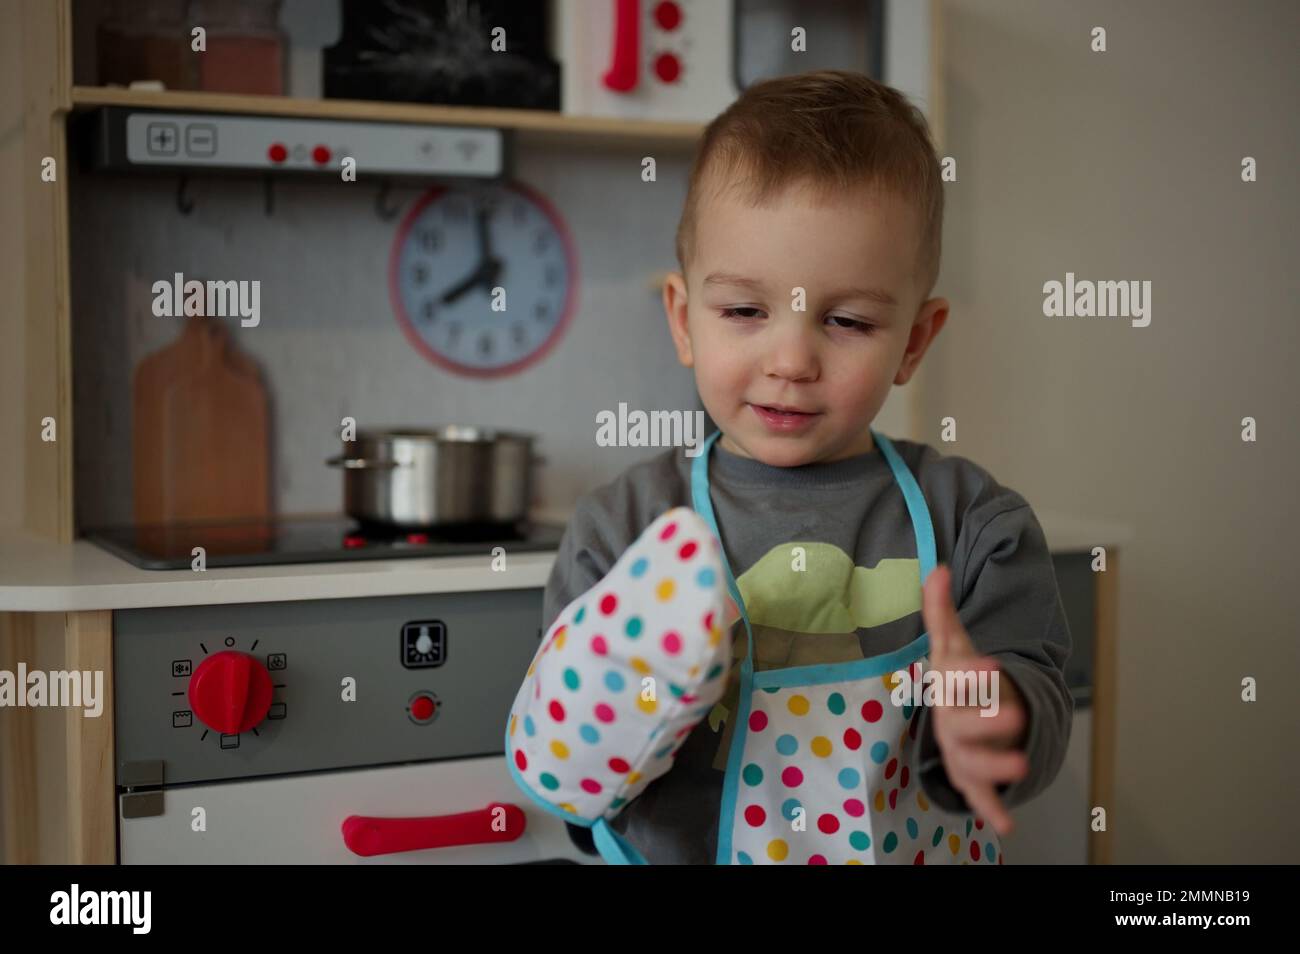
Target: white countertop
37	575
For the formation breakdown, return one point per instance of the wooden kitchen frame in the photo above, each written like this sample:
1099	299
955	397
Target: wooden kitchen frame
57	799
57	794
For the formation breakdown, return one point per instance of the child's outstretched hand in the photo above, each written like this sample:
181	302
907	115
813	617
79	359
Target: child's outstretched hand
979	753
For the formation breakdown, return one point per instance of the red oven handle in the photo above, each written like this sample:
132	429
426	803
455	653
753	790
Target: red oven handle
625	54
368	836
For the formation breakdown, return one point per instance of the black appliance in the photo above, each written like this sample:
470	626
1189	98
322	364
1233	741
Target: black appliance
441	51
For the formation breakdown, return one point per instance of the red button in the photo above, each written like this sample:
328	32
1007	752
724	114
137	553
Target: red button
417	538
354	540
321	155
422	709
668	67
668	15
277	152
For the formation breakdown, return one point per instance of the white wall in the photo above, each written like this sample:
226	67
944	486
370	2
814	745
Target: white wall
1125	165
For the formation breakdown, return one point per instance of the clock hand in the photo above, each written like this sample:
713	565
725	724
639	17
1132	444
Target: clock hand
489	265
484	236
490	273
456	291
485	276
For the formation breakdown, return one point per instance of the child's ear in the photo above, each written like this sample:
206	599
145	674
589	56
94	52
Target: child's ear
930	319
675	311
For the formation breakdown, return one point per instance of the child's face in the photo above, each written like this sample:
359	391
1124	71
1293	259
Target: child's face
738	326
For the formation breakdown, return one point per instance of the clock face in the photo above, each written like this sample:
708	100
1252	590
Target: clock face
483	278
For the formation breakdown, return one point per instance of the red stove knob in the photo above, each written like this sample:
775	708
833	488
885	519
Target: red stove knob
230	692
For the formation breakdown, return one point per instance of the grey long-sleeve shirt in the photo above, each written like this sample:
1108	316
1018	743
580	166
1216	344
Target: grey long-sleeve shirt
848	516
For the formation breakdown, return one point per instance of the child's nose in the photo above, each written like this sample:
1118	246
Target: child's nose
791	354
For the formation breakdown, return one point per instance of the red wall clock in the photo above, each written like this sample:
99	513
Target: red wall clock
483	278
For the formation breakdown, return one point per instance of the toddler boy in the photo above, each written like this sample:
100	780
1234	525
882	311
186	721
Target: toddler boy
808	248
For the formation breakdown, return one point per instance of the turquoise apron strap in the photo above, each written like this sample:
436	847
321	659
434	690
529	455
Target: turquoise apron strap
704	507
613	847
922	526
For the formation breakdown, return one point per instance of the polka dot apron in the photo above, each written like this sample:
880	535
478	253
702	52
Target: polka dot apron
822	767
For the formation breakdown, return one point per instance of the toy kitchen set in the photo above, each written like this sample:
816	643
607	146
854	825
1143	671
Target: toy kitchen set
214	312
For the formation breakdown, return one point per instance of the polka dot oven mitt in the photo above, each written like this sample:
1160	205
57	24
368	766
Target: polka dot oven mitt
624	673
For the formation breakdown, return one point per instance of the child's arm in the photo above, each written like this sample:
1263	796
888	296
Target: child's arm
1010	608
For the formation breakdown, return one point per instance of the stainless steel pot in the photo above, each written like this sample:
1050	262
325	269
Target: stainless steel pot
447	475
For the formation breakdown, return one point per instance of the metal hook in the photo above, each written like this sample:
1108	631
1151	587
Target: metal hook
385	211
268	194
184	204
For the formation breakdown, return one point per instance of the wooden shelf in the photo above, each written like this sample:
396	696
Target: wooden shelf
536	126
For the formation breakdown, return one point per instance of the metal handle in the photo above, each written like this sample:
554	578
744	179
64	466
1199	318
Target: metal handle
362	463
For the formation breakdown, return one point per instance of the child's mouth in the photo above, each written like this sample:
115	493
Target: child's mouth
783	420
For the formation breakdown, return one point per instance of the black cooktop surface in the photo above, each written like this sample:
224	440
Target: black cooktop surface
312	540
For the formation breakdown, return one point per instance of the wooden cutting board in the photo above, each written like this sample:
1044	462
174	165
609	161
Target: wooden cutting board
201	435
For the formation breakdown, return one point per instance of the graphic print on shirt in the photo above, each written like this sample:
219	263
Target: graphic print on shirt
806	602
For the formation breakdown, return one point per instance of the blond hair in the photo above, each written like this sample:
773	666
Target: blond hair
833	129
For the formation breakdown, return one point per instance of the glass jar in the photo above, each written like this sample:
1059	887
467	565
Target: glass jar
146	40
245	46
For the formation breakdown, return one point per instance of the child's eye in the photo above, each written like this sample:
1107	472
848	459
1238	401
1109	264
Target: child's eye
741	313
850	324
